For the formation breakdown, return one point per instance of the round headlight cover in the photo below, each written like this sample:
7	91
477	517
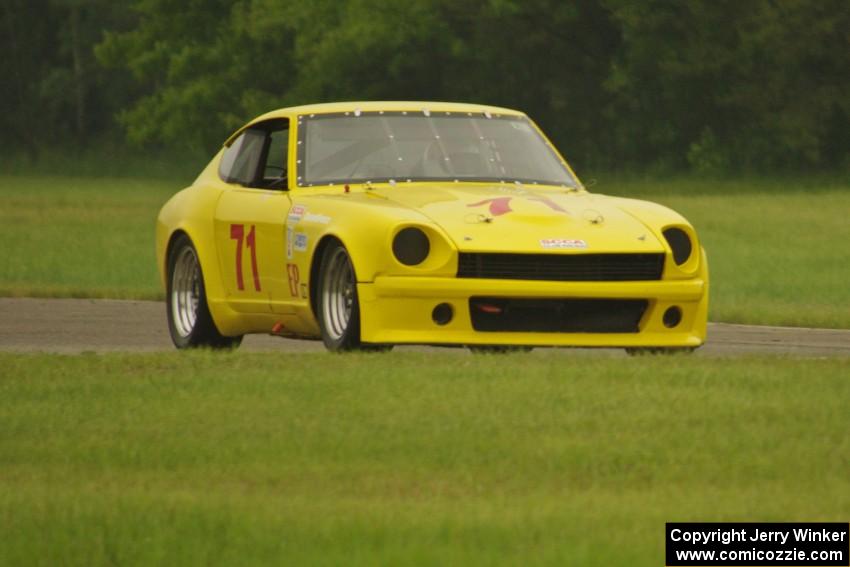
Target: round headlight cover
680	244
411	246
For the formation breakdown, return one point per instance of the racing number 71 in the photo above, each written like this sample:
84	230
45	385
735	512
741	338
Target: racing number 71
237	233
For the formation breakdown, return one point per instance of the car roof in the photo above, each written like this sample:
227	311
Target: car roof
373	106
389	106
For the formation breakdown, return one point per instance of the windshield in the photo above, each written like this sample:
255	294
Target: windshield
422	146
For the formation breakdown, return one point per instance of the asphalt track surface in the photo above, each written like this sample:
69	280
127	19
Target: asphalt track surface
71	326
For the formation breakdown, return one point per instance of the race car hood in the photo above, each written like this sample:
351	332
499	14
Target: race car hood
512	218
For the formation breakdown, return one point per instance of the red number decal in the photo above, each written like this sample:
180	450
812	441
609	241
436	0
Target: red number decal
237	233
294	276
252	244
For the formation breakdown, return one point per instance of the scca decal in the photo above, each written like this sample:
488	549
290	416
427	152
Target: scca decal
563	243
295	214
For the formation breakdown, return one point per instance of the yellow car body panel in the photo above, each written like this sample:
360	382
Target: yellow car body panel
260	249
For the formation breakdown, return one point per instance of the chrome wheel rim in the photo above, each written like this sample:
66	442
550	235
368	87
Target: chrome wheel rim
338	294
185	292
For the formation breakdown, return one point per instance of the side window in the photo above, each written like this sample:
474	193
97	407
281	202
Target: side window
258	156
276	160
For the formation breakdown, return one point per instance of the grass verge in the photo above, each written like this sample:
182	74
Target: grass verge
406	458
80	237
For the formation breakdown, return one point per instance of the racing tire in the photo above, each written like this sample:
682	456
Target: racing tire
189	321
338	307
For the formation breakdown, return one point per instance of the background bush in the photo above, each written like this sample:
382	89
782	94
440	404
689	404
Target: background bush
658	85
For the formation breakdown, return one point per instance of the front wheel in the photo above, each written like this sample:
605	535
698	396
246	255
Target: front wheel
189	321
338	306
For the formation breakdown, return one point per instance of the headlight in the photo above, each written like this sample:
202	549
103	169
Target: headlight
680	244
411	246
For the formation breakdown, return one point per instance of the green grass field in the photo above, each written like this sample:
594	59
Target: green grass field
80	237
407	458
777	249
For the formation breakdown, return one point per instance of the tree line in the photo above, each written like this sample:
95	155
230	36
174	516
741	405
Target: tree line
707	85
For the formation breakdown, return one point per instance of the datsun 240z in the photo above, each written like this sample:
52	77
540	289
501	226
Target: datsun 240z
379	223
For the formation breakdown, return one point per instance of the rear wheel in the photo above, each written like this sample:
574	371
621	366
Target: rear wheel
189	321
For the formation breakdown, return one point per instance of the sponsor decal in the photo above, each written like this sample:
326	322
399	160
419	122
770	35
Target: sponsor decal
296	213
316	218
563	243
290	237
300	242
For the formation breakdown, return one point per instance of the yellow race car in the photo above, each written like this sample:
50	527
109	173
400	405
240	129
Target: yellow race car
370	224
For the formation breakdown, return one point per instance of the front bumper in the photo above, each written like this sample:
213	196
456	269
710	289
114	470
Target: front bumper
399	310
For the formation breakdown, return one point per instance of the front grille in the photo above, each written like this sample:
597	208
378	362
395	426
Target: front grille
494	314
561	267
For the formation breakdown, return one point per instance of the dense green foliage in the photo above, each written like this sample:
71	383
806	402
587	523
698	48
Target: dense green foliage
548	458
713	85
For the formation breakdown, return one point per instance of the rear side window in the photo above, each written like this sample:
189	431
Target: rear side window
258	156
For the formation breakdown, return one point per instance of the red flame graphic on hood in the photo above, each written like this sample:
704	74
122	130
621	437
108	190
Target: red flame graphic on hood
498	205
